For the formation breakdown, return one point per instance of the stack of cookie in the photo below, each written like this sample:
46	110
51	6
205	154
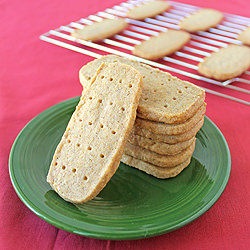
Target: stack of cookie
169	115
162	149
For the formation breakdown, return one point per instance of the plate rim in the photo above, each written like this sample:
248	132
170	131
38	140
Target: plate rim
107	236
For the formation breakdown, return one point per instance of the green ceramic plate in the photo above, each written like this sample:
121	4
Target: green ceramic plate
133	205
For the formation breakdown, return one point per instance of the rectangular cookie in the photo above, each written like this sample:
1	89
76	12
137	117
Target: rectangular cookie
170	139
171	129
164	98
164	161
159	147
158	172
91	148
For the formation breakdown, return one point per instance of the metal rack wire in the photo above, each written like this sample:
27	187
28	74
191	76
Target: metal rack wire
183	62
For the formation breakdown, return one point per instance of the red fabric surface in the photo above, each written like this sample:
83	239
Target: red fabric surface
35	75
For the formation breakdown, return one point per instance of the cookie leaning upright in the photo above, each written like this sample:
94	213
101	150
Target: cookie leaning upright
91	148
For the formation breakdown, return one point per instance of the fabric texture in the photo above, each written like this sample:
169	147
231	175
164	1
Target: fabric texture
35	75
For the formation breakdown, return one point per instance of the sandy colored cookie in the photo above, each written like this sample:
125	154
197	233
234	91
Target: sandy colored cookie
159	147
164	161
164	98
170	139
148	9
226	63
201	20
165	43
158	172
171	129
244	36
91	148
100	30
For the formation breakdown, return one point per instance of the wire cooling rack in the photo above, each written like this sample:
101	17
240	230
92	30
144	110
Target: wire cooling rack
183	62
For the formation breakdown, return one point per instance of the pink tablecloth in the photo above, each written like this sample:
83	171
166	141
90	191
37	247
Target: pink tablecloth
35	75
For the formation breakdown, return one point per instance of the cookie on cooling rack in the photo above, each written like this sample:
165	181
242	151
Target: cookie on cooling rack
162	45
244	36
226	63
148	9
100	30
201	20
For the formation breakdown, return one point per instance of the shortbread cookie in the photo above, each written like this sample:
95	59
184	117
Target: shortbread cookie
244	36
226	63
165	43
158	172
159	147
164	98
201	20
92	145
171	129
148	9
170	139
164	161
100	30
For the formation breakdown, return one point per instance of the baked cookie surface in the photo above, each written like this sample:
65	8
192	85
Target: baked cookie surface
171	129
169	139
162	45
164	98
148	9
201	20
165	161
244	36
91	148
226	63
158	172
100	30
159	147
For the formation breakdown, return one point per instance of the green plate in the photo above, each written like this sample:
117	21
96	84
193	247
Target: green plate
133	205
